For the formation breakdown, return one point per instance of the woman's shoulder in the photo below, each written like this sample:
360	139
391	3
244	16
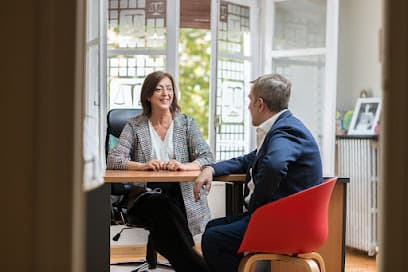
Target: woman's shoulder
138	120
182	119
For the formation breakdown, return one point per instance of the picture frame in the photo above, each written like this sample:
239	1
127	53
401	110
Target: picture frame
365	116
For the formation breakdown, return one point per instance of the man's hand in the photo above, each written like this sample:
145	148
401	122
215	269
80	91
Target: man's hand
204	179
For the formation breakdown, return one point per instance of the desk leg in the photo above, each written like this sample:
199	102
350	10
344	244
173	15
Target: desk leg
343	247
98	229
234	197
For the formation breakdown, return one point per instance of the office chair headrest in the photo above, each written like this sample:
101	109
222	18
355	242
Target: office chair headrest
117	119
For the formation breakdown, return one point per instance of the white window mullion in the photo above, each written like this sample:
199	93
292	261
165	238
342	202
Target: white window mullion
173	25
298	52
257	63
329	106
237	57
266	23
135	51
213	76
102	77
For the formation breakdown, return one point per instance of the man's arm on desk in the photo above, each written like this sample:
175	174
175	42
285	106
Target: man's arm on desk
238	165
204	179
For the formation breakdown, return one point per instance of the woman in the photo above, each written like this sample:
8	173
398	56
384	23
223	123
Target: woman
162	138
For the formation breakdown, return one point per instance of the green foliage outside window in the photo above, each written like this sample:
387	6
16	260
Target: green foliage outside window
194	75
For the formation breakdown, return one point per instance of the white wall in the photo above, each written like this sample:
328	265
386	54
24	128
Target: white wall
358	61
216	199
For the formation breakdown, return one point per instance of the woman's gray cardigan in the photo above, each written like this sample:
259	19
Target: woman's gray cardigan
135	144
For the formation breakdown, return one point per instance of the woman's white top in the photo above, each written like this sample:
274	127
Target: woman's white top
162	149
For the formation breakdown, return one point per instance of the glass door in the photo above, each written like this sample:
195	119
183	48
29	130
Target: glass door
232	60
233	53
303	47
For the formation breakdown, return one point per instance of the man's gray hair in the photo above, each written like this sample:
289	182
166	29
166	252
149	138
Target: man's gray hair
274	89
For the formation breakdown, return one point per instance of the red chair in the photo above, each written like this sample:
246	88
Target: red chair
289	230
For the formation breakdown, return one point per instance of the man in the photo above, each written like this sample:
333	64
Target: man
286	161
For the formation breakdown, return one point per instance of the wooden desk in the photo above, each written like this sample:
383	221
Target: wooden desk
98	208
112	176
233	192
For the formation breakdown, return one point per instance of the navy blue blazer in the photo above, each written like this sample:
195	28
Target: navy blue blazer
288	162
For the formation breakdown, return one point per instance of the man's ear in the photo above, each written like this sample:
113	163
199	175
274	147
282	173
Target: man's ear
261	103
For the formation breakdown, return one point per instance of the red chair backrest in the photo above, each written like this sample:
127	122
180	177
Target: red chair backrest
295	224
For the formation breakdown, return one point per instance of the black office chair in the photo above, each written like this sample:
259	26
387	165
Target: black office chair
117	119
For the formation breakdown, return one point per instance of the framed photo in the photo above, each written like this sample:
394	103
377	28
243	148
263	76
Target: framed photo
365	116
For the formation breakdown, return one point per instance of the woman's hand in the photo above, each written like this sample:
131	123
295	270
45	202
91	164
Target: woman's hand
154	165
157	165
174	165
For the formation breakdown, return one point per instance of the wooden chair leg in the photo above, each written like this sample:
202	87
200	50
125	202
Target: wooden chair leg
311	262
247	263
310	265
317	258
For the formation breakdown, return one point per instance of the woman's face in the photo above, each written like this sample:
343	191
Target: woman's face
163	94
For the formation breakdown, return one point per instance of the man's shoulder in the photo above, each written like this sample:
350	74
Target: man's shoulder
287	120
290	124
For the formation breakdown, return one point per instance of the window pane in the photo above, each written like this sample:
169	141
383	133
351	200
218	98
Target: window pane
92	20
233	29
307	77
137	24
194	75
126	75
299	24
232	137
233	76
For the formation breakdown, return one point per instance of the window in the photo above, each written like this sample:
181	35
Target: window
93	126
128	39
234	59
137	42
301	44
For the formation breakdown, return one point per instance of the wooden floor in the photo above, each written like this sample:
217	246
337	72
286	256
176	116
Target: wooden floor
356	261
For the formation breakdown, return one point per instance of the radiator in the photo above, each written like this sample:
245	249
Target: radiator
358	159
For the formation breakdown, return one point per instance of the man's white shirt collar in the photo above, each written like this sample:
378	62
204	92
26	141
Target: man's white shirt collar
263	128
261	132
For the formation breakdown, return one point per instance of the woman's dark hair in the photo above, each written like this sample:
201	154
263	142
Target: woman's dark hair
148	87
